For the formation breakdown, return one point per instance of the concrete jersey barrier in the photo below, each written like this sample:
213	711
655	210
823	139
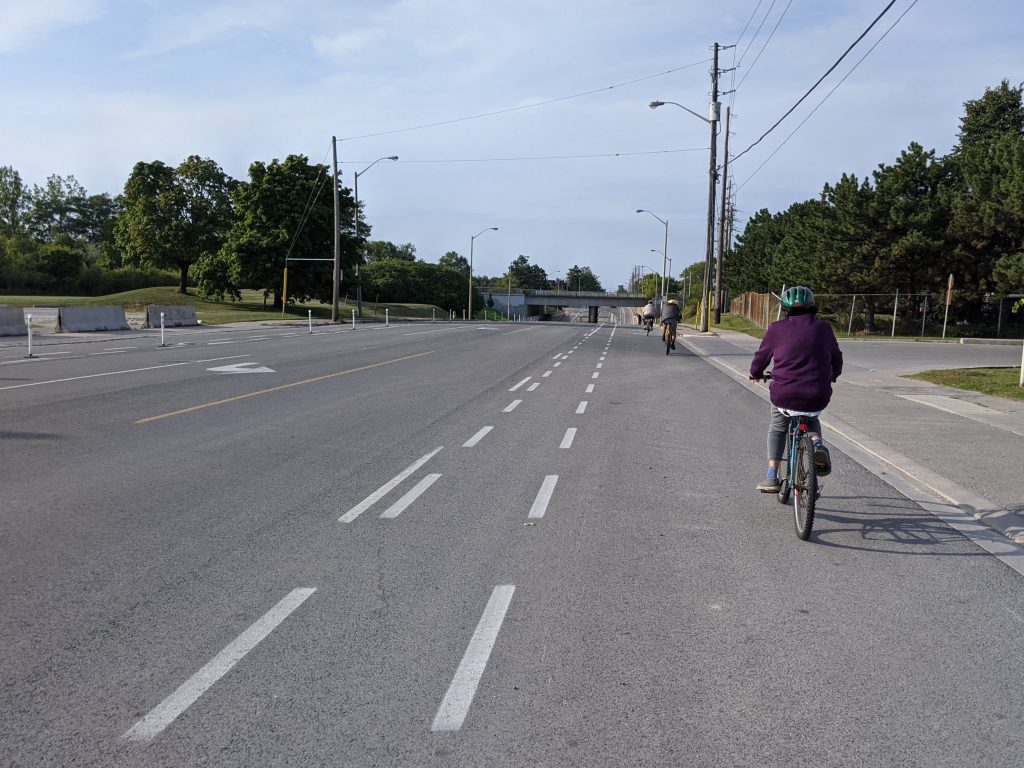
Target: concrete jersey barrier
12	322
175	316
83	319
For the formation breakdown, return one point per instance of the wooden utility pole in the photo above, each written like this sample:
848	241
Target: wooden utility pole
721	223
712	179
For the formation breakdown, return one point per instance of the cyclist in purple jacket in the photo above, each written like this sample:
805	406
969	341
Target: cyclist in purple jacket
807	360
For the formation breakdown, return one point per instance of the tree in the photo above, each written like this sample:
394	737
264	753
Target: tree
14	203
582	279
174	216
529	275
382	250
284	210
452	260
55	210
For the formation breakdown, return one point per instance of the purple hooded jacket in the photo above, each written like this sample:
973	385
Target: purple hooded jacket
807	361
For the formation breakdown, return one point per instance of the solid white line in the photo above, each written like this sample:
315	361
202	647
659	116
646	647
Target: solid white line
517	386
546	374
511	406
519	331
596	374
91	376
477	437
377	495
457	700
215	343
533	386
590	388
570	435
399	506
164	713
540	504
218	359
112	349
51	354
109	352
581	407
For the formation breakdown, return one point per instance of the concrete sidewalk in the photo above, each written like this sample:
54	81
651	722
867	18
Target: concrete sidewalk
964	450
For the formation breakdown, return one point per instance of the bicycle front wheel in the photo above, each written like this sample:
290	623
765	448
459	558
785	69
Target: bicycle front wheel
805	489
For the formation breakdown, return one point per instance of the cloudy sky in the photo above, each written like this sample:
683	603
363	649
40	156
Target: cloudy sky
561	148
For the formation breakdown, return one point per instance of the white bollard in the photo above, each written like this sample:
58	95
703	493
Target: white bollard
433	314
29	318
162	330
353	319
310	320
387	321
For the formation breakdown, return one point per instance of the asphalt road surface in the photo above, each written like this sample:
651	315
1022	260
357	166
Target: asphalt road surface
465	545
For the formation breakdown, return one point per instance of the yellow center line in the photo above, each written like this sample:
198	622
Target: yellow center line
313	380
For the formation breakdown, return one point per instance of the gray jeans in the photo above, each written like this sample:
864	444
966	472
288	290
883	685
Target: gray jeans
778	426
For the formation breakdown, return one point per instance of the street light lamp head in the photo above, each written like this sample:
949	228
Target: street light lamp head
640	210
392	157
656	104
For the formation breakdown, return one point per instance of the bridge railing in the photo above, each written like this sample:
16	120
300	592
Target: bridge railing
586	294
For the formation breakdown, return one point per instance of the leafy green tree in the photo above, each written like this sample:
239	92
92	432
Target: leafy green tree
382	250
582	279
529	275
174	216
14	203
55	210
284	210
453	260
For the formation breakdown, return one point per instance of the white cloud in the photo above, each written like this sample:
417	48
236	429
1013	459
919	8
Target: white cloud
28	21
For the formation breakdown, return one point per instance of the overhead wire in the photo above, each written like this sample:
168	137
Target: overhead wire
759	26
314	195
546	157
819	81
756	58
834	89
524	106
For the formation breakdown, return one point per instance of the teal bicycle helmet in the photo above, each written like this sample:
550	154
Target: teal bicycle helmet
797	297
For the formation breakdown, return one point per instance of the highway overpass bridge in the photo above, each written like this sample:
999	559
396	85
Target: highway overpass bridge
532	302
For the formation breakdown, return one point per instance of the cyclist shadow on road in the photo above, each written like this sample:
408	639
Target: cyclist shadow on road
887	525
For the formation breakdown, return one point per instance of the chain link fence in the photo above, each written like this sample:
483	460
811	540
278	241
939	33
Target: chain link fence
919	315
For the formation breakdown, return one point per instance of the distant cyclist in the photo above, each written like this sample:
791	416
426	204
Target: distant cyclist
649	313
670	317
807	361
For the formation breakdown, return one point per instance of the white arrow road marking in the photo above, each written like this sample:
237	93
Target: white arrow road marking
242	368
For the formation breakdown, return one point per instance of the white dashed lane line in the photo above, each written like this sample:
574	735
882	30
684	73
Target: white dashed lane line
390	485
595	374
457	700
546	374
581	407
517	386
477	437
557	364
417	490
533	386
164	713
540	504
590	388
570	435
512	406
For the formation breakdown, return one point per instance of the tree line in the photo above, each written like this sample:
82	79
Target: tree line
909	226
195	225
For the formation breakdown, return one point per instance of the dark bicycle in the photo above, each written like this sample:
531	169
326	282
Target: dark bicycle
648	324
798	474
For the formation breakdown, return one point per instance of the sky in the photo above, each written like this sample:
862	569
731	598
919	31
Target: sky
560	148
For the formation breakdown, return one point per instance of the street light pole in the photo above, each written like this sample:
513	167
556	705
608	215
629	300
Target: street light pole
337	243
355	192
664	253
712	179
469	302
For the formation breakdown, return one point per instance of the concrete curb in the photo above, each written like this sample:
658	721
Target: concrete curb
952	499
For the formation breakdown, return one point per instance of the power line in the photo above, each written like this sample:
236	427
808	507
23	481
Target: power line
759	26
746	27
820	79
756	58
834	89
543	157
524	106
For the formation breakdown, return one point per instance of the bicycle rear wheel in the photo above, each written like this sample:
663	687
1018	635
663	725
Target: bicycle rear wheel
805	489
784	484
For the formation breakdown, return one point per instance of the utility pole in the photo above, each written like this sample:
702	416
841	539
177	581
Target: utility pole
337	235
721	222
712	179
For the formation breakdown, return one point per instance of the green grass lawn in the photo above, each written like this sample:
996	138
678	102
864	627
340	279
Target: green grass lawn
998	382
249	309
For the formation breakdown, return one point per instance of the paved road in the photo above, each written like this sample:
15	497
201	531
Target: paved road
463	544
